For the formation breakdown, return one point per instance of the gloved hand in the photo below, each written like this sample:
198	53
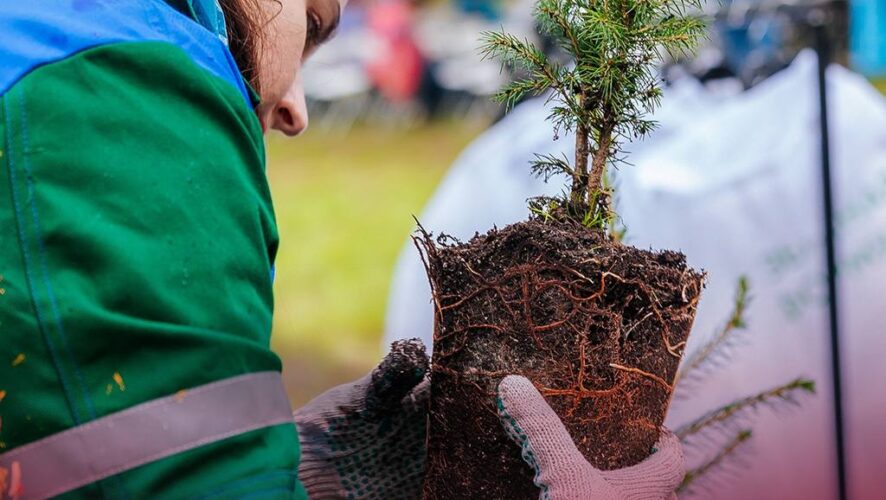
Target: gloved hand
366	439
561	471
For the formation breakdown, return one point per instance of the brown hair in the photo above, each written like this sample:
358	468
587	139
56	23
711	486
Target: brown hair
246	23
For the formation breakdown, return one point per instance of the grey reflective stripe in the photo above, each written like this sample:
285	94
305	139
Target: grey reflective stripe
148	432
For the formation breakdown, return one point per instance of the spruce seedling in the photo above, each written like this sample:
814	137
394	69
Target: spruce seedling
604	96
599	327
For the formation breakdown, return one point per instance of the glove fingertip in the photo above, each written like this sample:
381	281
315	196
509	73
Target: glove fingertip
531	423
514	394
518	398
417	399
399	373
516	387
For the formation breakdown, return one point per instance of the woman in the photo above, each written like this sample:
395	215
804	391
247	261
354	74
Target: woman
137	265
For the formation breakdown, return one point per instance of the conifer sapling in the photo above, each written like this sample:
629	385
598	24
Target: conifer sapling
599	327
604	95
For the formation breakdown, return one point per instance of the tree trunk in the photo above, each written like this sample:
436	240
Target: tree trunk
598	170
577	198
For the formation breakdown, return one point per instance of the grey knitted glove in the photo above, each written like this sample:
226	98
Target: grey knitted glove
366	439
561	471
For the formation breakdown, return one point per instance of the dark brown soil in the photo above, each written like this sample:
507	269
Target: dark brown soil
599	327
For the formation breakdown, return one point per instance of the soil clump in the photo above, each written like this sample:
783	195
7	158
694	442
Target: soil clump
599	327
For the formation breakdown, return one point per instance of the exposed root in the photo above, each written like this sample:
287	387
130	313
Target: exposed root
521	285
646	374
635	325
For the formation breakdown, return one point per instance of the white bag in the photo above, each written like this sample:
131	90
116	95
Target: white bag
736	185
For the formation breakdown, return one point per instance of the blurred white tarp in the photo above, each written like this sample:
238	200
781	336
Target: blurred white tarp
734	183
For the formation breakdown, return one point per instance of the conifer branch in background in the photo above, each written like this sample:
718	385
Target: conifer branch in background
715	347
693	475
605	95
723	421
786	393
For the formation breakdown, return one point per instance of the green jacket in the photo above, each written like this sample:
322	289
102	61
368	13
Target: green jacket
138	239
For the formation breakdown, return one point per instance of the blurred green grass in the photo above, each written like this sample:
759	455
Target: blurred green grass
344	205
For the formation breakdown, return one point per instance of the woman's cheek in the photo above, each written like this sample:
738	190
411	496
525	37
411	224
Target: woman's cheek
264	112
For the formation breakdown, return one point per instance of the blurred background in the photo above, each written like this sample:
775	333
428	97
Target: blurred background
344	204
395	98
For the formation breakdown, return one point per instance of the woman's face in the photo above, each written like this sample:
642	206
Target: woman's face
295	30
